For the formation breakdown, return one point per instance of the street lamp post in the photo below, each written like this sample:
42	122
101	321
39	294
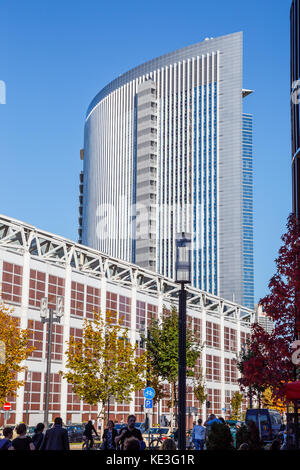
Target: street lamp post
145	332
54	316
183	276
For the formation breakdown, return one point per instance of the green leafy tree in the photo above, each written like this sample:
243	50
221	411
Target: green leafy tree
15	349
104	363
162	351
236	402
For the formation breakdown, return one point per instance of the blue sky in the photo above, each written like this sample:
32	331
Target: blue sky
56	56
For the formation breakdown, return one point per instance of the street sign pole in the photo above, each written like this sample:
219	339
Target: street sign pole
182	370
58	314
149	394
6	408
6	416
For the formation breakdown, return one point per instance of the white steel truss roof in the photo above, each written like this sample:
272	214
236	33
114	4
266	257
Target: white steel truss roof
19	237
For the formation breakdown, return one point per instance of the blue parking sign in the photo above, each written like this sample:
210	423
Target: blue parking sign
148	403
149	393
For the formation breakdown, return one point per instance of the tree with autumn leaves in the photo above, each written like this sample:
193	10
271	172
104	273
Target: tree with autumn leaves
103	363
15	349
267	361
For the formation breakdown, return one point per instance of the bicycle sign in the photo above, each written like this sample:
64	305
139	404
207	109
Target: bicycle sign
149	393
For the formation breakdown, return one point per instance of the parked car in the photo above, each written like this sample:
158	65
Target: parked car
269	422
119	426
30	431
75	432
154	433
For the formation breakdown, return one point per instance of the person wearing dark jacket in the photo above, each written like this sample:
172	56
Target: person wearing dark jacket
109	436
5	443
38	436
88	433
56	438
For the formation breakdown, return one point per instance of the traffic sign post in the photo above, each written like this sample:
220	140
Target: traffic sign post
149	393
148	404
6	417
6	408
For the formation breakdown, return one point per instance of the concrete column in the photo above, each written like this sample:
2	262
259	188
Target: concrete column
133	333
238	342
103	295
203	330
160	305
103	288
23	325
222	363
65	320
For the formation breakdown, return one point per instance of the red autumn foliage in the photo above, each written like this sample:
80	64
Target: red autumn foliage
268	362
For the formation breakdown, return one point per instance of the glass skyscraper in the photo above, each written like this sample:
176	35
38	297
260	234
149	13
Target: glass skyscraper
168	149
248	263
295	99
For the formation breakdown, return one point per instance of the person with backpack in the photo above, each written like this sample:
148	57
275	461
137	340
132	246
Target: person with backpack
38	436
5	443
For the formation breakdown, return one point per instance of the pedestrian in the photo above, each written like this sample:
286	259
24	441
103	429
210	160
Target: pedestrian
22	442
88	433
169	444
38	435
198	435
132	443
211	419
244	446
109	435
208	423
219	437
56	438
222	420
5	443
254	439
276	444
129	431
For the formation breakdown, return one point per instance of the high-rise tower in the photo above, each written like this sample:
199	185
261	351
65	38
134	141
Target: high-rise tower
167	149
295	99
